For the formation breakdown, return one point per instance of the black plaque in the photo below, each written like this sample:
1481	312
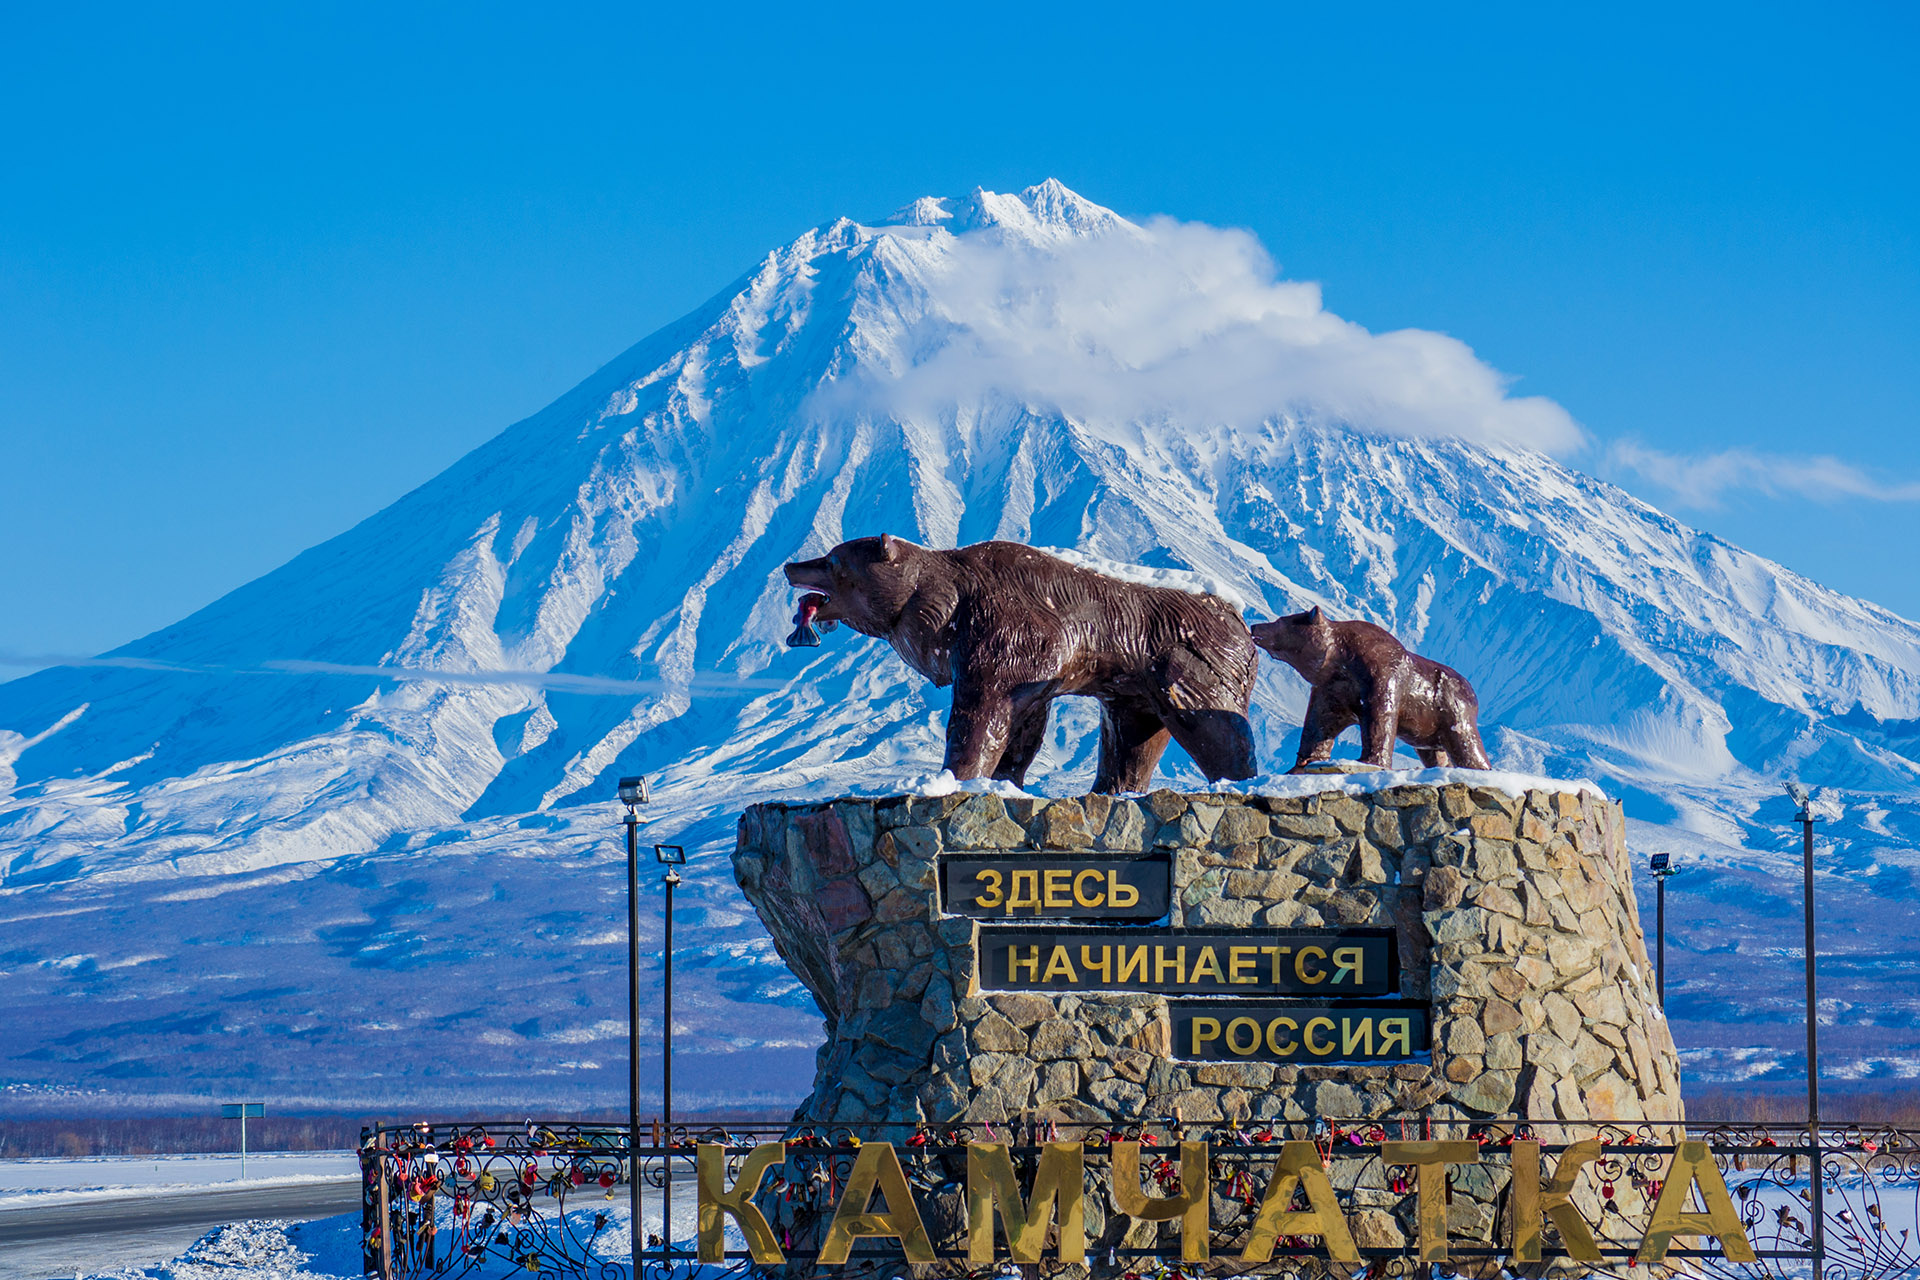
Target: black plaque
1249	962
1272	1031
1059	888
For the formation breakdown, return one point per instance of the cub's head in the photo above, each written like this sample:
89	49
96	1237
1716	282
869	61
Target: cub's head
1304	641
867	582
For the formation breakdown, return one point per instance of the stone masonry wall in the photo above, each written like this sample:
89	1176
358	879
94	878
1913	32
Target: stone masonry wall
1514	914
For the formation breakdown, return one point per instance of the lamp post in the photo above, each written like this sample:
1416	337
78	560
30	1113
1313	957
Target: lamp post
673	857
633	793
1662	867
1806	818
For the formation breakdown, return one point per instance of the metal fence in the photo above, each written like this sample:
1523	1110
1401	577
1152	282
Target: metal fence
551	1198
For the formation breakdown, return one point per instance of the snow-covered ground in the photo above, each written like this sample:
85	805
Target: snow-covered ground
56	1180
329	1248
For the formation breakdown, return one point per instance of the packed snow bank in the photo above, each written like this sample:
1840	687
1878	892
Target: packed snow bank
325	1249
944	783
329	1248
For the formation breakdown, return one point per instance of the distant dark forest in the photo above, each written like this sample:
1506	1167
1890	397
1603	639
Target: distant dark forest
140	1135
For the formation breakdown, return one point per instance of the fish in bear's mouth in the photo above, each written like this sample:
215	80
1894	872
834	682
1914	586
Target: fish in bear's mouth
804	635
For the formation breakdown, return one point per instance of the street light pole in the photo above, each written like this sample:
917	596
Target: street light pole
1806	818
672	881
673	857
633	793
1662	865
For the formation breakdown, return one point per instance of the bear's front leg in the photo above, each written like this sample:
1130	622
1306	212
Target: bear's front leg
1325	721
1026	733
977	729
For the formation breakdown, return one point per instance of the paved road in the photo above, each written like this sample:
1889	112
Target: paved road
142	1228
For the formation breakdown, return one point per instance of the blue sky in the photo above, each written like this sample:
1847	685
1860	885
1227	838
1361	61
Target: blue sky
262	272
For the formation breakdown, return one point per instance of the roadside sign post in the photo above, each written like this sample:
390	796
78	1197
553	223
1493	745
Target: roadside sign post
240	1111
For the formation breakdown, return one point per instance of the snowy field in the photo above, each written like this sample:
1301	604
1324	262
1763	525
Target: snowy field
52	1181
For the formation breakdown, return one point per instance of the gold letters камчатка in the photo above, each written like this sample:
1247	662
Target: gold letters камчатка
1058	1186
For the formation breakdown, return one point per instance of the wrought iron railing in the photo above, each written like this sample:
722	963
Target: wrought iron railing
552	1199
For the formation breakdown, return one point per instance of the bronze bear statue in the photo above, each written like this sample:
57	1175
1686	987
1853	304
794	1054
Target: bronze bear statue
1361	675
1011	629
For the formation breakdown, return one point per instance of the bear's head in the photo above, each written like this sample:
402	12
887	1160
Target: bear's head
867	582
1304	641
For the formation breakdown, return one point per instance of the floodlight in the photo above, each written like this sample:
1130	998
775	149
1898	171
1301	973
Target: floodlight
1799	794
1660	862
634	791
670	854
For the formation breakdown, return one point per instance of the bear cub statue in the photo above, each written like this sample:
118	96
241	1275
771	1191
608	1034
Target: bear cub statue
1361	675
1011	629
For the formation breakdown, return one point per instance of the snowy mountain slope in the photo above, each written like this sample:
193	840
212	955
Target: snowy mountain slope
442	696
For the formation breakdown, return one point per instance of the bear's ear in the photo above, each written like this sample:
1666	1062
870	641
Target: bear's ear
1315	617
890	547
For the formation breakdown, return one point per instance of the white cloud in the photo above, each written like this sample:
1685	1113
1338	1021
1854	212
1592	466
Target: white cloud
1179	321
1703	480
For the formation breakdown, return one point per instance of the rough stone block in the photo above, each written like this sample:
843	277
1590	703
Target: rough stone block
1117	1096
1126	829
1262	885
1063	825
1489	1092
992	1033
1021	1008
1445	888
1222	913
981	822
1497	1016
1059	1038
1239	825
1303	827
1491	826
1166	806
1346	812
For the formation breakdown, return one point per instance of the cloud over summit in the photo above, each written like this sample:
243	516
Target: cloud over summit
1177	321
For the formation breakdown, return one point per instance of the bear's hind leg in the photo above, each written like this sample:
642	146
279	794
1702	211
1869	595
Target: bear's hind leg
1132	739
1463	744
1435	758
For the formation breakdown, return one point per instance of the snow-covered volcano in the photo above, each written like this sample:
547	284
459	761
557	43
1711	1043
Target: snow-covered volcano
366	799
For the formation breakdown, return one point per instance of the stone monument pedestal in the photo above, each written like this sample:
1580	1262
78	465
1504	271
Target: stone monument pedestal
1512	921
